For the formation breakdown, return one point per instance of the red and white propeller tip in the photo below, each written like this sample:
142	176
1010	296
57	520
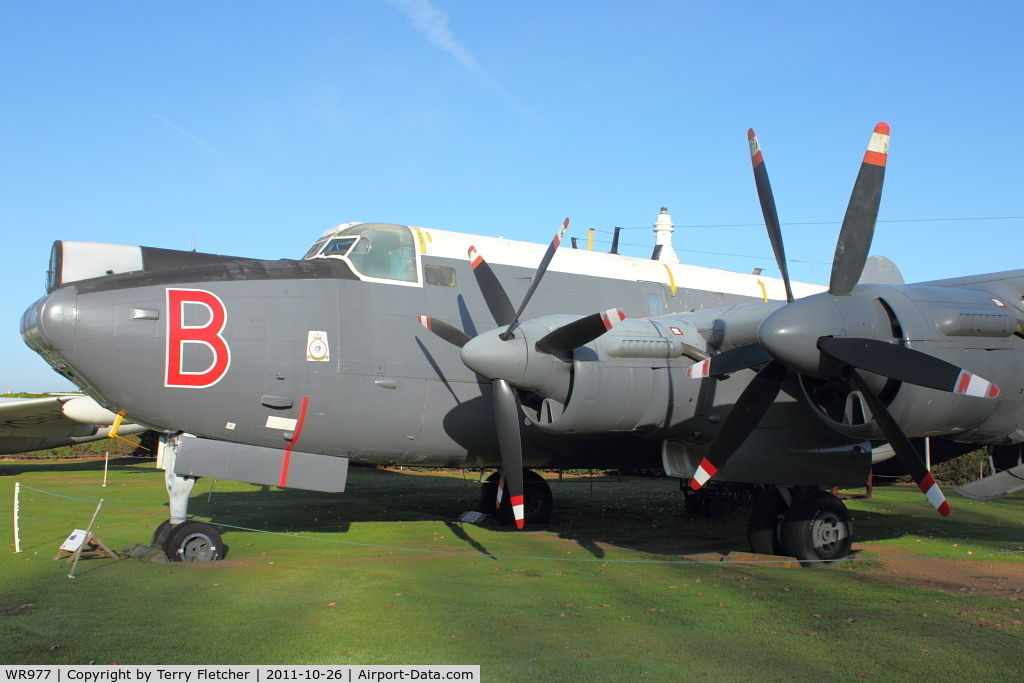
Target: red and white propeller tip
699	370
612	317
558	237
704	472
756	158
518	511
878	146
934	494
475	259
971	385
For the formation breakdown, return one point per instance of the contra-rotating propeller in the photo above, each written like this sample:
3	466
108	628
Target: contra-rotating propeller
486	355
809	336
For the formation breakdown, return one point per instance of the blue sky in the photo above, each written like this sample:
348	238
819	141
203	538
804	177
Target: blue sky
255	126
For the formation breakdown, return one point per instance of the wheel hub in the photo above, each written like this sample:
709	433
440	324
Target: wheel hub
197	547
828	533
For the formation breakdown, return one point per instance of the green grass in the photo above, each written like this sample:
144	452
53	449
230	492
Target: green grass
592	585
122	446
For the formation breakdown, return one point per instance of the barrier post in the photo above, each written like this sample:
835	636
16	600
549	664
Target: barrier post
85	541
106	460
17	537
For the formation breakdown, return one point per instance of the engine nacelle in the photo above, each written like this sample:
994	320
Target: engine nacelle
631	379
968	328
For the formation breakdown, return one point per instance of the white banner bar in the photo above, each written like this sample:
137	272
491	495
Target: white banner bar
154	673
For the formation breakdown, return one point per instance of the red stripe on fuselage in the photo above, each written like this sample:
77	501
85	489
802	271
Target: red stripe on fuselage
288	451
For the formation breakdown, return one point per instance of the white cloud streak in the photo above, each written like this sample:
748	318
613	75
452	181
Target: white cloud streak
433	24
191	137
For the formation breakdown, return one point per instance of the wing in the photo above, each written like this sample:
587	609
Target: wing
31	424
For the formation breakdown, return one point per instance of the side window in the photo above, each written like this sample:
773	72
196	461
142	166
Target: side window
654	304
443	276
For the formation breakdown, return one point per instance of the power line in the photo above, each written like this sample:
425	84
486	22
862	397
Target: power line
716	253
893	220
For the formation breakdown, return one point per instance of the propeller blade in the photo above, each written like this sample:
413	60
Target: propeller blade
861	214
494	294
506	420
541	269
740	358
744	417
905	451
771	216
501	491
582	331
450	334
907	365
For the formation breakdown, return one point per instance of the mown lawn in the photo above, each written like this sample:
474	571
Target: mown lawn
382	574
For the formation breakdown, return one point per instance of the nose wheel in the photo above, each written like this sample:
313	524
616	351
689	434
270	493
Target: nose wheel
190	541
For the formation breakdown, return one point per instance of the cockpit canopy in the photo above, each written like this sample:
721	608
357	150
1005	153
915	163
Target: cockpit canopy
375	250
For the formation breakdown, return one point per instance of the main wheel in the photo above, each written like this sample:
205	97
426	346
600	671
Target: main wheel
160	534
817	528
764	530
537	499
193	541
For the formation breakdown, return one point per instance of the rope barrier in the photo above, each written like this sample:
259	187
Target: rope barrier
523	557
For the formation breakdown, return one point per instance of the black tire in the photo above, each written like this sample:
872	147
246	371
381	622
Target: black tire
817	529
488	494
160	534
537	502
193	541
764	530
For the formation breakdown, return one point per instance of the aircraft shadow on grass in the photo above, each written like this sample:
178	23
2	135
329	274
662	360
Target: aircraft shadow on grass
380	495
386	496
14	468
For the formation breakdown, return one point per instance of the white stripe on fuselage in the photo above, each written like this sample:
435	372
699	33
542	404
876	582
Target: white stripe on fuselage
446	244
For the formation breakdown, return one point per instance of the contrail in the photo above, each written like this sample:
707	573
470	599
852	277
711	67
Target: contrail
433	24
191	137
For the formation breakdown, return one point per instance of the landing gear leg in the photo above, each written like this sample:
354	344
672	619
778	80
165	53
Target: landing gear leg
179	488
764	530
182	539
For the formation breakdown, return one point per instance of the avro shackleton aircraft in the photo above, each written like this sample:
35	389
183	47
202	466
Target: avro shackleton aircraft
394	344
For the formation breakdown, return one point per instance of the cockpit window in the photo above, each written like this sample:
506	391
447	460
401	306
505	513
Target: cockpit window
315	249
376	250
339	246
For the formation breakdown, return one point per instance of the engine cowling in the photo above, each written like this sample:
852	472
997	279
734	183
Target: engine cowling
969	328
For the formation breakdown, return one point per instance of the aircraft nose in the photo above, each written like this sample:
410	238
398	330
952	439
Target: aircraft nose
49	324
790	334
